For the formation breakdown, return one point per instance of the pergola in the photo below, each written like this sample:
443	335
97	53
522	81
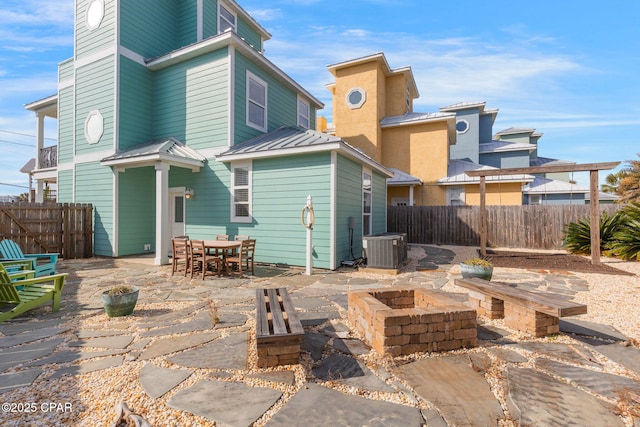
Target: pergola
593	169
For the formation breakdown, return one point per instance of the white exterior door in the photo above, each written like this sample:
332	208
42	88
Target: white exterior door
176	213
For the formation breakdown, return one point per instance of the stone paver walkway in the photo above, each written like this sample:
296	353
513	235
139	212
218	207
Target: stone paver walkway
171	337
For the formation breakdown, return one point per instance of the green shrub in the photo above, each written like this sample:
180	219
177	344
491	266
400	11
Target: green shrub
578	234
626	242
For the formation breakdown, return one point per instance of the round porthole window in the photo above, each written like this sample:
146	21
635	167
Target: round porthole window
95	13
356	98
93	127
462	126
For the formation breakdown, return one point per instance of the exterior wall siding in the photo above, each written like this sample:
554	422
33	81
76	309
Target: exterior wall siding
513	159
348	204
280	189
152	36
379	207
89	41
65	186
486	128
466	146
282	108
209	18
508	193
249	35
136	206
136	104
186	23
191	101
95	89
65	70
94	184
558	199
65	125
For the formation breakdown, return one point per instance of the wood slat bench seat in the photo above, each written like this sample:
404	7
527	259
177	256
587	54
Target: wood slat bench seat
279	332
530	312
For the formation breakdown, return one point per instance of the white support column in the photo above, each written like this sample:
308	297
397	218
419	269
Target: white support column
411	195
162	214
39	147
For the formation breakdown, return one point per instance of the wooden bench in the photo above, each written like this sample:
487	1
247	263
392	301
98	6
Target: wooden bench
279	332
28	294
526	311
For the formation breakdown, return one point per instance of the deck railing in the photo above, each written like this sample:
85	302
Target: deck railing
49	157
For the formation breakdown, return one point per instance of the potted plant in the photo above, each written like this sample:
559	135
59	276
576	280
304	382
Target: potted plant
476	267
120	300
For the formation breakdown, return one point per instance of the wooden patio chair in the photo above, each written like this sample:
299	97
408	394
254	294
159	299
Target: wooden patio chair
221	252
42	264
244	256
179	254
200	259
28	294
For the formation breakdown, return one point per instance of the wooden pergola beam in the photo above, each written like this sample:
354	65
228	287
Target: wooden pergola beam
594	210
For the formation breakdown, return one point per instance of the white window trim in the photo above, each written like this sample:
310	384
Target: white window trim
358	104
301	115
249	166
258	80
234	26
460	132
367	171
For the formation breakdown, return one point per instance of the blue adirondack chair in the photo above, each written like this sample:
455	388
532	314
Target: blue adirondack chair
42	264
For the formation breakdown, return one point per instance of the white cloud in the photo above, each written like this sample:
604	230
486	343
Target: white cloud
265	14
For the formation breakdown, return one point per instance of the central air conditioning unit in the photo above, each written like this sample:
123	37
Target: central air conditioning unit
388	250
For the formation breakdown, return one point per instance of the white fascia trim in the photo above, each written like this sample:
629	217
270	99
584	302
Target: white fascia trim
211	153
67	83
230	38
199	20
333	211
90	59
232	95
129	54
92	157
65	166
152	159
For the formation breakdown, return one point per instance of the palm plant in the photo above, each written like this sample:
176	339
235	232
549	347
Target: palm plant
578	234
626	242
629	183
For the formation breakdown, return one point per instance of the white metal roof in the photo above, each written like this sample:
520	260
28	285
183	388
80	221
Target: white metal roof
402	178
415	118
542	185
168	149
504	146
456	174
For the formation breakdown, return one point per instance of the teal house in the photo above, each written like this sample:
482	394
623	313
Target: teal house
171	121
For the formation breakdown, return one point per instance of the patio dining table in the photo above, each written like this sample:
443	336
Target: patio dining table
224	247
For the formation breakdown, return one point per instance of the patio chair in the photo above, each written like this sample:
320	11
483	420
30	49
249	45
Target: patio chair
179	254
28	294
244	256
200	259
220	252
11	252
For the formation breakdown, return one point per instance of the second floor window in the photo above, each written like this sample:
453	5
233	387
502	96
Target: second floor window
256	102
303	114
227	20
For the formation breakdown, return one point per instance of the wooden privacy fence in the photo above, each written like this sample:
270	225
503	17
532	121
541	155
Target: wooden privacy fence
531	226
65	228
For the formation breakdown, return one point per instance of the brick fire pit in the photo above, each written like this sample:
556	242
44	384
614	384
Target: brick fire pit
410	320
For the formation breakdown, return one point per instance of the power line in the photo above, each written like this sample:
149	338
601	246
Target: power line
17	143
24	134
13	185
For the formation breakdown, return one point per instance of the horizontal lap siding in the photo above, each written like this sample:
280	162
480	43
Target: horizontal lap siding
249	35
152	36
95	88
348	204
65	70
136	210
191	101
100	38
136	104
280	190
186	23
209	19
94	184
208	213
282	107
65	125
379	208
65	186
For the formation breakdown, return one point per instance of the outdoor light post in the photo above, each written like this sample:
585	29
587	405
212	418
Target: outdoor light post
307	218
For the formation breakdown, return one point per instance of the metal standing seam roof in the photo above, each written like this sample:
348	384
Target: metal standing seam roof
295	140
415	118
456	174
503	146
546	161
402	178
542	185
169	149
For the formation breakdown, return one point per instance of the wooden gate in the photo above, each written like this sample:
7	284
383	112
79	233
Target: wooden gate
65	228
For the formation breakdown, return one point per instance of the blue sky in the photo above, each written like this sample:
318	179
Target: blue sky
569	69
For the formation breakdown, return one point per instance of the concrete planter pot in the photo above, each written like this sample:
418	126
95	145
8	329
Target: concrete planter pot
481	271
119	304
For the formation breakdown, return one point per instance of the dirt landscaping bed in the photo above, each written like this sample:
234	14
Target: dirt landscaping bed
549	261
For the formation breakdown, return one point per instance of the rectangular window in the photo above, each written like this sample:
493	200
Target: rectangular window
303	114
256	102
241	192
366	202
178	209
227	20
